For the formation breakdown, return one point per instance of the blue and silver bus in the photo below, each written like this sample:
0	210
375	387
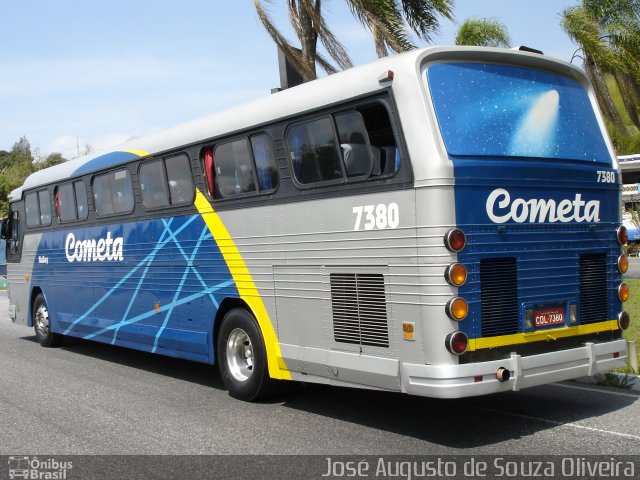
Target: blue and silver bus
445	223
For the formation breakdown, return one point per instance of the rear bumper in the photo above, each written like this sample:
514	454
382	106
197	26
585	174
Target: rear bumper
454	381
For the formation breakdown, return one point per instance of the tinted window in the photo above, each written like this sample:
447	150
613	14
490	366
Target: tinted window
314	153
265	159
81	199
180	180
367	146
32	210
153	185
13	234
113	193
65	203
234	172
354	144
45	207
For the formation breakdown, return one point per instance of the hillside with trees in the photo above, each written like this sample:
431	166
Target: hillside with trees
17	164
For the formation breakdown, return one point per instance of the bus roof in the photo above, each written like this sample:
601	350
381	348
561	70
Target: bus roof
325	91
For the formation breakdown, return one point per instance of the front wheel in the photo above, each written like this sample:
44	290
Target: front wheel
242	357
42	325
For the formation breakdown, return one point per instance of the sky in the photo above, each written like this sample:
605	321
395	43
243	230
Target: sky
76	73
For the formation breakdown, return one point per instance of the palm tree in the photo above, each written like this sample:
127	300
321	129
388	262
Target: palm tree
608	32
385	18
484	32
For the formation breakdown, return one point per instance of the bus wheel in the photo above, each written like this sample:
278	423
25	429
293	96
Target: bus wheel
41	324
242	357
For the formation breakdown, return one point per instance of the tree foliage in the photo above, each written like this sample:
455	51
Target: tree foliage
17	164
386	19
608	32
485	32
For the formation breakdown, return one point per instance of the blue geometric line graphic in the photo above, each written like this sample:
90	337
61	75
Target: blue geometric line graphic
206	235
164	308
145	261
185	274
152	256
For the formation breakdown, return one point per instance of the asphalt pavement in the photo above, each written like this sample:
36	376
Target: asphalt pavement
90	398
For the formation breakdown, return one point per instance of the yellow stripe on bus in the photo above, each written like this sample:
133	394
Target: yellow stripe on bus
139	153
244	283
504	340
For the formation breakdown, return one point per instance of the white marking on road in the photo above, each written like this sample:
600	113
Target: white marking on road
597	390
562	424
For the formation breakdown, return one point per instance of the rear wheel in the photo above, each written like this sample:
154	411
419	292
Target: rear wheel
242	357
42	325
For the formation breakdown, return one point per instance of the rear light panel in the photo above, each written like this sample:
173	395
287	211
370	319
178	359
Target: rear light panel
457	309
623	320
457	342
623	263
455	240
622	235
456	274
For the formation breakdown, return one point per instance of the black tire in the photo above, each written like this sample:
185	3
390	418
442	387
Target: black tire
242	357
42	326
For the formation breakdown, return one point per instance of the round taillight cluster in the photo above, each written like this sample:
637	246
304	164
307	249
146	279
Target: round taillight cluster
623	320
455	240
456	274
623	292
622	235
623	263
456	308
457	342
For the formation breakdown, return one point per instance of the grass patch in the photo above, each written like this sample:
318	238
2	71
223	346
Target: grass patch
632	306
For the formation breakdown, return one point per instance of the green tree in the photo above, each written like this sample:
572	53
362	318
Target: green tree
385	18
608	33
485	32
16	165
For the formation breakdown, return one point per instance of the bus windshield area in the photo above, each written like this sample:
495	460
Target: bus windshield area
490	110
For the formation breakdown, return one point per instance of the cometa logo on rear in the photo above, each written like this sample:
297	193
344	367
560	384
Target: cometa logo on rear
109	249
501	209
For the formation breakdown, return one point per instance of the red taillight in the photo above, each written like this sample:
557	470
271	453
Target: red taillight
457	343
622	234
455	240
623	320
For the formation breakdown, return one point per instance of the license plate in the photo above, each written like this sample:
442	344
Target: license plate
548	316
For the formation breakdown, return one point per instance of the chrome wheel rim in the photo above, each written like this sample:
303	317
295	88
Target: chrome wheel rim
240	355
42	320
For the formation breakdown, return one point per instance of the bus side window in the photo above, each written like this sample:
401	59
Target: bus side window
153	184
81	199
181	187
12	233
32	210
234	171
207	159
354	143
113	193
382	140
265	158
314	152
65	203
45	207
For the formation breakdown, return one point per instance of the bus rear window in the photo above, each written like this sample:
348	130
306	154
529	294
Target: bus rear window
490	110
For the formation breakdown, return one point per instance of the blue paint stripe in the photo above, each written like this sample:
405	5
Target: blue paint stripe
127	276
164	308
